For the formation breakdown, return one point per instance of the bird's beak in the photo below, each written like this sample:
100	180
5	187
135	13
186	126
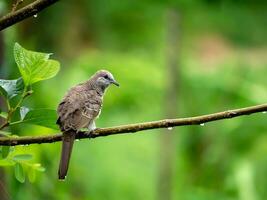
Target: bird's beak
115	83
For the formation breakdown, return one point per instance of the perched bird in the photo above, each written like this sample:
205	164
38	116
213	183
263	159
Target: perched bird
79	109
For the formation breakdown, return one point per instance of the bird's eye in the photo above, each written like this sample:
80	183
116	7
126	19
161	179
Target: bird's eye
106	76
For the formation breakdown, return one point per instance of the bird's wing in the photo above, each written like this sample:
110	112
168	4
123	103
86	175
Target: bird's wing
92	107
70	109
78	109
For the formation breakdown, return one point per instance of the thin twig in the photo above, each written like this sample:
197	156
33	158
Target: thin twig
11	110
132	128
25	12
5	124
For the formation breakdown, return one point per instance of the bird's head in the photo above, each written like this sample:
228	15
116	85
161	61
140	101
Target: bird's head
104	79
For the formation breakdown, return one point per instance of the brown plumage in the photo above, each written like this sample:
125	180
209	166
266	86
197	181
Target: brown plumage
79	109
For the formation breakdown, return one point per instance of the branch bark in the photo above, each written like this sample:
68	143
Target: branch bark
25	12
132	128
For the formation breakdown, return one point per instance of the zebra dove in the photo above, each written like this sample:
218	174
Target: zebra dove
79	109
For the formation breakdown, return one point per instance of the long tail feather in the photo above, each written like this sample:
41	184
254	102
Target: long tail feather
67	143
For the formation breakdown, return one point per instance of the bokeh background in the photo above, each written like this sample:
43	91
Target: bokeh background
173	59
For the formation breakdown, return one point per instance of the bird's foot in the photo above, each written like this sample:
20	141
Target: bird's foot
91	133
88	134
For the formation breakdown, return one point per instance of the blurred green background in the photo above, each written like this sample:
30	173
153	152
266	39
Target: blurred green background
173	59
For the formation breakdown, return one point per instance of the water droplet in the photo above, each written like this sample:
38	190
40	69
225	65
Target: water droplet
202	124
264	112
170	128
35	15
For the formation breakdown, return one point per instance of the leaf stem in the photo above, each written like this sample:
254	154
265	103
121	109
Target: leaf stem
4	125
23	96
16	122
11	110
8	104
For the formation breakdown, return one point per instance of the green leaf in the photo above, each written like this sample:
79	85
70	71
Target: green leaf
19	173
23	112
31	174
3	114
5	151
41	117
22	157
3	92
34	66
38	167
11	88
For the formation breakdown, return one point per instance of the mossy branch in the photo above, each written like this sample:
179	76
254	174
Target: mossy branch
25	12
132	128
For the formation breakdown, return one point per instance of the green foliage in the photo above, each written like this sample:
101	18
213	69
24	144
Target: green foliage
32	170
221	160
34	66
3	114
11	88
5	151
22	157
41	117
22	164
19	172
31	175
22	167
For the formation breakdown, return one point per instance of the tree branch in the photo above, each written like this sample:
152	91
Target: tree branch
15	5
25	12
132	128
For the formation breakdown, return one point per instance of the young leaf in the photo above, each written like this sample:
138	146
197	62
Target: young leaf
34	66
5	151
19	173
38	167
31	174
41	117
11	88
23	157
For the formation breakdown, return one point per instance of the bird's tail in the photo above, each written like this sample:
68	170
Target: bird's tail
67	143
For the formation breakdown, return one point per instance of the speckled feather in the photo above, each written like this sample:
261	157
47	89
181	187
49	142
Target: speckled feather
78	109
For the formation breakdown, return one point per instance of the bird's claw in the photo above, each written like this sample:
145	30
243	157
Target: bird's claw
91	133
88	134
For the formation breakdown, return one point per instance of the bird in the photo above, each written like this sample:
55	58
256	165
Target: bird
79	109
